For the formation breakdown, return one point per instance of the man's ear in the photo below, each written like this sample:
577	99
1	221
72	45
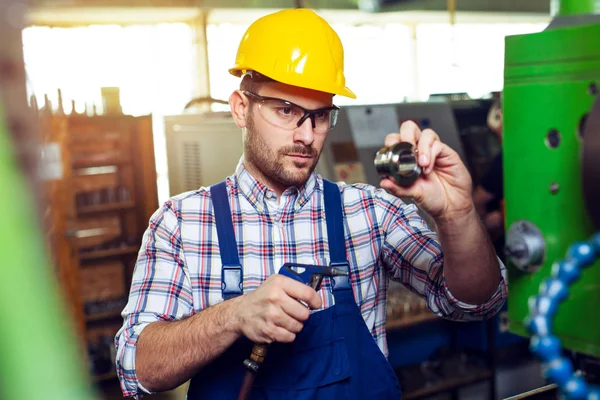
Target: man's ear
239	105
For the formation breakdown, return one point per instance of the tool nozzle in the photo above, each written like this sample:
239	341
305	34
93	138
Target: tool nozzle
251	365
339	272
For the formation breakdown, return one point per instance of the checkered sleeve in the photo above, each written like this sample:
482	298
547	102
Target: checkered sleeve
413	255
160	291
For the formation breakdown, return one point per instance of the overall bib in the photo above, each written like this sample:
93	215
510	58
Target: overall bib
334	357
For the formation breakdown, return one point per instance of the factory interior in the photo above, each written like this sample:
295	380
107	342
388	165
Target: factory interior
108	109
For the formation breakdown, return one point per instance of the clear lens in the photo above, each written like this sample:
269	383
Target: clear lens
333	115
286	115
281	113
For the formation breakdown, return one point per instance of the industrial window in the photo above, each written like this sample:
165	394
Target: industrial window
464	57
388	62
222	42
379	61
153	66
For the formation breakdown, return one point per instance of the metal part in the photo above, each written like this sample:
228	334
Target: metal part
398	162
554	188
525	246
251	365
542	393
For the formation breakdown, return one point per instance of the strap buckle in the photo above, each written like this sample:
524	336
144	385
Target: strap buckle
231	281
341	282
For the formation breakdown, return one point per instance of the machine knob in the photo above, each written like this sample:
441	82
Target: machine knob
525	246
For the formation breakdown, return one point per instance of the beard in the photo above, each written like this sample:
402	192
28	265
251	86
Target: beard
270	163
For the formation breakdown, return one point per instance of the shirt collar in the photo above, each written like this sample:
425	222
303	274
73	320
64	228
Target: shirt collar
256	191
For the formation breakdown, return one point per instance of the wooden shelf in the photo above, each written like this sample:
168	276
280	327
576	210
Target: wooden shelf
469	377
102	316
107	376
79	164
100	208
95	218
410	320
120	251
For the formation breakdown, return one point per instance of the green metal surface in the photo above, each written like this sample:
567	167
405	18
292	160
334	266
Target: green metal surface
547	76
38	355
572	7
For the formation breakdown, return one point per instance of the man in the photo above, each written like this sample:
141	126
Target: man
206	285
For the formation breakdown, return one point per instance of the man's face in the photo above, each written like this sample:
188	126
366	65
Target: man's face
284	157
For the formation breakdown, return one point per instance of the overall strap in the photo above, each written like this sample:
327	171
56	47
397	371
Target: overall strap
334	218
231	270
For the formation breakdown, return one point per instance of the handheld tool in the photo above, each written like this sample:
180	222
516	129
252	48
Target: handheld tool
311	275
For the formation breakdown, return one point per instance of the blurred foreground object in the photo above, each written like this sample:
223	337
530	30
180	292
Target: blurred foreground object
40	359
36	339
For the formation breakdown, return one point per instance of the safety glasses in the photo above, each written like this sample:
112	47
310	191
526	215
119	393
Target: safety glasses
289	116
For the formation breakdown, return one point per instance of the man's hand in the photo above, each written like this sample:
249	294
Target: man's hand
444	187
272	313
471	269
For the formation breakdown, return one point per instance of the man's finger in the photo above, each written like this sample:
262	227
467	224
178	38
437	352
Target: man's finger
299	291
392	139
295	309
410	132
436	148
289	324
427	139
281	335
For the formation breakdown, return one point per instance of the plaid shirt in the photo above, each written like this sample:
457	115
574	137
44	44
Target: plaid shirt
178	271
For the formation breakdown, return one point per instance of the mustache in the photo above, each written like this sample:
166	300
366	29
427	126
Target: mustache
306	151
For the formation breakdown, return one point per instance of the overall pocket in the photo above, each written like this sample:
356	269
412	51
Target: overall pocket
315	366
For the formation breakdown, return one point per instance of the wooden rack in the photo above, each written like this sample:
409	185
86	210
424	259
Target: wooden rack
100	199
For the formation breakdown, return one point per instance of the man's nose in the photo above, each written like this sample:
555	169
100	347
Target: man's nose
305	133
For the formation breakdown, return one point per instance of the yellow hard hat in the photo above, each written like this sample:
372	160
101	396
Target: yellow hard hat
295	47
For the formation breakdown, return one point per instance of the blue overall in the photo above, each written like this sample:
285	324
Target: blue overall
334	357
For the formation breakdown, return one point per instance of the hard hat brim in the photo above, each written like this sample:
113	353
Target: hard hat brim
238	71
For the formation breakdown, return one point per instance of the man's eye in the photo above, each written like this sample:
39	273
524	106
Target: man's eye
322	115
287	111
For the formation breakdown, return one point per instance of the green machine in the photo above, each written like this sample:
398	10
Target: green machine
551	157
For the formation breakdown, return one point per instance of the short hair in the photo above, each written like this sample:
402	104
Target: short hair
252	81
